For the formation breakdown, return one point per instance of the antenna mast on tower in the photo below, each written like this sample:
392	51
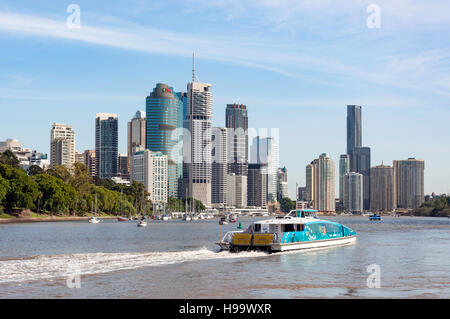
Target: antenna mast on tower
194	77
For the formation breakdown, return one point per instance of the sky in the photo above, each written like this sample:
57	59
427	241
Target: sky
296	64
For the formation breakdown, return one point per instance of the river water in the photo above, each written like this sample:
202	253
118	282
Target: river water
177	259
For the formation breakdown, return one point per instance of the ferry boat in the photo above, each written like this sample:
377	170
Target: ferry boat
300	229
375	217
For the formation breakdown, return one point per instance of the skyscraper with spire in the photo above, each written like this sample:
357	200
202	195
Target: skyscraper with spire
197	169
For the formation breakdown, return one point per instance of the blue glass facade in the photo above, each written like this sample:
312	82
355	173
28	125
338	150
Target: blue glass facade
164	134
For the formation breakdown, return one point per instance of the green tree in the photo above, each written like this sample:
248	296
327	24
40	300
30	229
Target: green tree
22	191
61	172
439	207
175	204
57	196
8	158
35	170
139	195
4	188
286	205
80	179
199	206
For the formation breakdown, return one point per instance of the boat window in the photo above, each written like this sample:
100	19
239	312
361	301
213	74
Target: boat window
333	229
289	227
257	228
300	227
315	228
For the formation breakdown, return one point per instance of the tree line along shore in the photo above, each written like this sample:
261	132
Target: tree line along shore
70	192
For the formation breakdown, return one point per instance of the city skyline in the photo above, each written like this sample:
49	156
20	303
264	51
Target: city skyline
38	84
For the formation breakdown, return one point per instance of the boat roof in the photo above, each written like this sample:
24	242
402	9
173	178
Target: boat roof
287	220
293	220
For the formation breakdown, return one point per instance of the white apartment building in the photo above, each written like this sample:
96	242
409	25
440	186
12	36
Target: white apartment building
62	145
150	169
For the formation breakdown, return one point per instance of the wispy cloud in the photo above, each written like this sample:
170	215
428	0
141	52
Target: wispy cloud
320	63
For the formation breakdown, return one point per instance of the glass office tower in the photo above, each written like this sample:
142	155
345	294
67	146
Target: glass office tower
236	121
164	111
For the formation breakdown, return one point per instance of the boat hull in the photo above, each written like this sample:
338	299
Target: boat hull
273	248
313	244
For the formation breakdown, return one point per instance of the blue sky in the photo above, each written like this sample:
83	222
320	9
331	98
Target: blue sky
295	64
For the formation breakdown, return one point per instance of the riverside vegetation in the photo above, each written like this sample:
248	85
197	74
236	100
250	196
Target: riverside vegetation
437	207
60	191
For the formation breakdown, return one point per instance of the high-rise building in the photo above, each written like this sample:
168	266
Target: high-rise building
151	169
310	182
89	161
236	121
219	166
106	145
354	131
164	134
302	194
264	151
62	145
136	134
237	190
79	157
409	183
321	183
256	185
353	192
124	168
361	164
197	169
382	190
282	183
344	168
10	144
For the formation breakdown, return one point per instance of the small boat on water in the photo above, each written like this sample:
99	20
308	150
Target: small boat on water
142	223
187	218
223	221
94	220
375	217
232	218
122	219
296	231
